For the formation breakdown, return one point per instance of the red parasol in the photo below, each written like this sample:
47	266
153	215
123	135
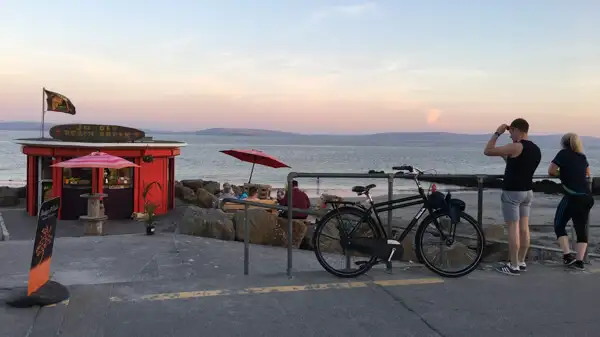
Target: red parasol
96	160
255	157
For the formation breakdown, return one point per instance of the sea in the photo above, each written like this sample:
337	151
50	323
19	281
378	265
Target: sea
442	153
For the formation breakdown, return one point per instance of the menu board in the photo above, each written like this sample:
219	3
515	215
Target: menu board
95	133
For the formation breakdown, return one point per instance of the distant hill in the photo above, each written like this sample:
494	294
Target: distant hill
243	132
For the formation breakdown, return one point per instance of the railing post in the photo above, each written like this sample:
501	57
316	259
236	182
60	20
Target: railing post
586	258
388	264
246	241
480	201
290	224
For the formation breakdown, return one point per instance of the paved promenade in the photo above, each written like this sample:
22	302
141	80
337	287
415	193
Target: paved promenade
171	285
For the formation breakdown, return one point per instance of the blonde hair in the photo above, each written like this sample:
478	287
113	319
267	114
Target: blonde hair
572	141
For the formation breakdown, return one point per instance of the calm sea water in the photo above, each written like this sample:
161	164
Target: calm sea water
201	159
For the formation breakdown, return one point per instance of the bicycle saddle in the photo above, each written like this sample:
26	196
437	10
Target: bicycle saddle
362	189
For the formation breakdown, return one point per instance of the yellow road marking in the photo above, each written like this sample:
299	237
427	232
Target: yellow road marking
594	270
278	289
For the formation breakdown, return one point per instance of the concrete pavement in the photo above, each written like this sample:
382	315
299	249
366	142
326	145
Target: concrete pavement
172	285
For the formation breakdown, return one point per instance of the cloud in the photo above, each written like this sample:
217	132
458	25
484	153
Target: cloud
433	115
347	11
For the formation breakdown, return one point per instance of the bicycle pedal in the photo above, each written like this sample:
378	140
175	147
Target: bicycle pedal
361	263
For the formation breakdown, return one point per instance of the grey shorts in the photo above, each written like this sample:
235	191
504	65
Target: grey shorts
516	204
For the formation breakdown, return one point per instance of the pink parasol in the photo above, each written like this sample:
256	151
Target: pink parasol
96	160
255	157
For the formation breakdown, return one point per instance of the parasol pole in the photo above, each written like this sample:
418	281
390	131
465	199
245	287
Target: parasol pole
251	171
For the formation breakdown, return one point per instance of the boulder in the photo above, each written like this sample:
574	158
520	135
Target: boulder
22	192
187	194
193	184
213	187
178	188
299	229
267	229
543	186
210	223
205	199
494	232
8	196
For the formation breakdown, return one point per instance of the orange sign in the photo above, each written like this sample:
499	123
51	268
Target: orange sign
39	272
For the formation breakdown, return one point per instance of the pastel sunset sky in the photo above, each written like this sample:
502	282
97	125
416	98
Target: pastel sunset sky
306	65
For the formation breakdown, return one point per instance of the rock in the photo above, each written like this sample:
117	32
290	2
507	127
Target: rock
456	256
22	192
205	199
213	187
307	241
193	184
409	249
267	229
8	196
543	186
299	229
178	187
494	232
187	195
210	223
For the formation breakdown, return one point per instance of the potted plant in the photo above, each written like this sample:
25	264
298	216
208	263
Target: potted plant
150	208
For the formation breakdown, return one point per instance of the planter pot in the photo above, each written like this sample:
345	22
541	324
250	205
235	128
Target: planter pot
150	229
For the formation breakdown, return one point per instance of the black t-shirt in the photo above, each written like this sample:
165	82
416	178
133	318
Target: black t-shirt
573	168
518	174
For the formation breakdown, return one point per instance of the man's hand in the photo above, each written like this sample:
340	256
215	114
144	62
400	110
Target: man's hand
501	129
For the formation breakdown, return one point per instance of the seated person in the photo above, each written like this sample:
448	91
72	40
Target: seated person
252	193
226	192
299	200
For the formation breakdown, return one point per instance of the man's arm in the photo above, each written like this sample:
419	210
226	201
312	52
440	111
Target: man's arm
505	151
588	172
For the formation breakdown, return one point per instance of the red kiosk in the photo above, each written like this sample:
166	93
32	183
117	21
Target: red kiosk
123	187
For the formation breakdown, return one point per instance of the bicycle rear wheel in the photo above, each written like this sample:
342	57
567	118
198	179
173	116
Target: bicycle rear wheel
327	243
463	242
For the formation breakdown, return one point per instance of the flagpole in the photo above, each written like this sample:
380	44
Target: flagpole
43	110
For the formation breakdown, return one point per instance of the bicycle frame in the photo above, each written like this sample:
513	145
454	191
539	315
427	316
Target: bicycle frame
380	207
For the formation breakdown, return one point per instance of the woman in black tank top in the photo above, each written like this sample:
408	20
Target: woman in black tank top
571	166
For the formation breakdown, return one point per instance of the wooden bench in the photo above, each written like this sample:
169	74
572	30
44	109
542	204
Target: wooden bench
230	207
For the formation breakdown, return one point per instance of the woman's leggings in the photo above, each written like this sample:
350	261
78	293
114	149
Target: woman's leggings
577	208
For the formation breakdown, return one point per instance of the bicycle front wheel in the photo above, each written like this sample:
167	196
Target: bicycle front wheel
327	241
457	248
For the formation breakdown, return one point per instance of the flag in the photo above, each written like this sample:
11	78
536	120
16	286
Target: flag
59	103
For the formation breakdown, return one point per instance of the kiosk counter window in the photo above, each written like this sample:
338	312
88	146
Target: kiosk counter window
76	181
118	186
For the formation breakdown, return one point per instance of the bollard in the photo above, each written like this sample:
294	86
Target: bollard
480	201
290	226
246	241
388	265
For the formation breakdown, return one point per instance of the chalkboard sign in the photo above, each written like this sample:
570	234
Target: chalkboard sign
95	133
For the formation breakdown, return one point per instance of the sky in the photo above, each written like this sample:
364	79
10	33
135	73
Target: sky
306	65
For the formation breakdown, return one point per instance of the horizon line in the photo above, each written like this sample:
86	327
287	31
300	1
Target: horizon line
225	129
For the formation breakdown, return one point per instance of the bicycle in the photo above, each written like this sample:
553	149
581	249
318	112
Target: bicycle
380	249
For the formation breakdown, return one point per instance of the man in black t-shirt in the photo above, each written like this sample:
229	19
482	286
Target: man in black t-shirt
572	167
522	158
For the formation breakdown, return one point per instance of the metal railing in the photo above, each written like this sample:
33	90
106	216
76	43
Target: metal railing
480	178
